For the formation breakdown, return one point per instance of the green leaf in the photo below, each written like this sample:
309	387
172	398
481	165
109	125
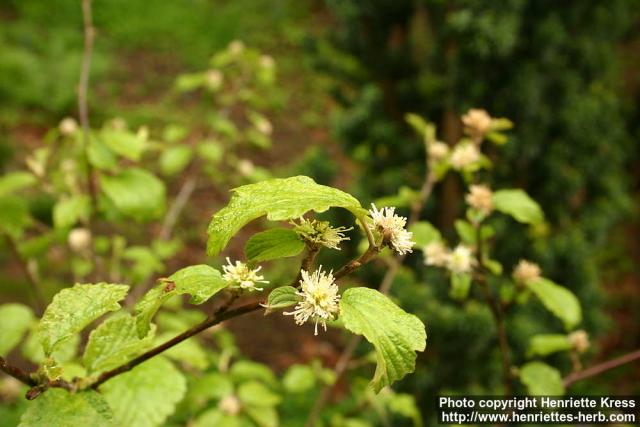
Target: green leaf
263	416
257	394
124	143
74	308
59	408
466	231
136	193
543	345
298	379
519	205
174	159
188	352
200	281
541	379
15	181
272	244
100	156
558	300
279	200
113	343
215	417
424	233
68	211
146	395
460	285
283	296
32	349
14	215
246	370
395	334
15	320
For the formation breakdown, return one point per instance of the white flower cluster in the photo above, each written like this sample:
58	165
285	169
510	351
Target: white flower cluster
480	197
68	126
321	233
477	123
319	299
437	151
579	340
526	272
391	226
463	155
241	276
460	260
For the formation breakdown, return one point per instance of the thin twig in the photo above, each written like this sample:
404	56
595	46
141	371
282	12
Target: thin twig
498	316
206	324
36	289
601	367
83	93
171	218
17	373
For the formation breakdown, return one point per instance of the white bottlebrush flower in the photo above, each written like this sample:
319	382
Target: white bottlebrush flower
391	226
461	260
321	233
480	197
438	151
436	254
579	340
464	155
242	276
526	271
319	299
477	123
266	61
68	126
246	167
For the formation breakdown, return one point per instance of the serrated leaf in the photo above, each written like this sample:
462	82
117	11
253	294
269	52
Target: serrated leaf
395	334
15	181
124	143
67	212
15	320
424	233
541	379
59	408
543	345
200	281
114	343
146	395
136	193
272	244
558	300
254	393
283	296
519	205
74	308
174	159
32	349
279	200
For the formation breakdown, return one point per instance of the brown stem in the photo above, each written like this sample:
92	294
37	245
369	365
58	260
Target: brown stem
206	324
34	283
498	316
83	91
601	367
17	373
367	256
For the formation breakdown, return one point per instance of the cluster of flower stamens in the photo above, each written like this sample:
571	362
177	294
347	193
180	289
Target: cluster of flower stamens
391	227
241	276
319	299
321	233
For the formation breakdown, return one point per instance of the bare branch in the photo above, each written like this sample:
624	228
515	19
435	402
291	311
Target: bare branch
600	368
16	373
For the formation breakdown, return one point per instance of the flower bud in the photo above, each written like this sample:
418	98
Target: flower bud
213	79
464	155
438	151
579	340
461	260
68	126
79	239
230	405
477	123
526	272
267	62
236	47
436	254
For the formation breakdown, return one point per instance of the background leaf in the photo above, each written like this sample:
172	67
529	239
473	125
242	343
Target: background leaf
543	345
541	379
279	200
519	205
395	334
146	395
15	320
136	193
558	300
283	296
